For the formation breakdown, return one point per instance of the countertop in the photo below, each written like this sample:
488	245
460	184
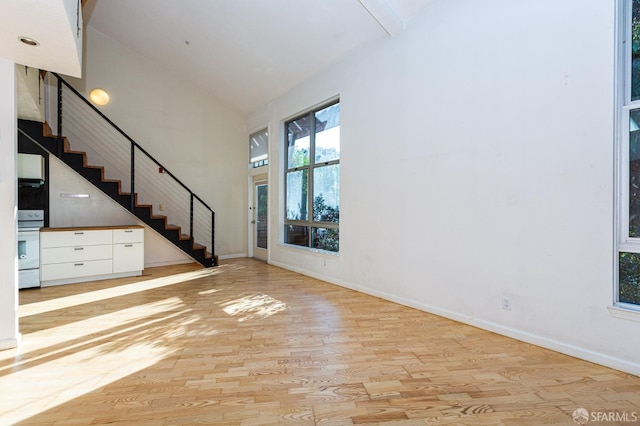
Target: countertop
91	228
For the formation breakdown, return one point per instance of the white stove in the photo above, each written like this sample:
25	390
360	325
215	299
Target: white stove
29	224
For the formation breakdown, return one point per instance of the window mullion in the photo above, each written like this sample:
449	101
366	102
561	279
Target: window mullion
312	163
623	232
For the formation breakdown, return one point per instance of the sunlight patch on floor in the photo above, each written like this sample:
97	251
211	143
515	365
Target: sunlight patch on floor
256	306
111	292
42	387
71	360
52	341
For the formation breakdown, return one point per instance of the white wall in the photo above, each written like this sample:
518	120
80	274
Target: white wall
100	209
9	335
477	163
30	93
201	141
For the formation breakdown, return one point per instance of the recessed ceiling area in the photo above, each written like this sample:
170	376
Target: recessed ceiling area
247	52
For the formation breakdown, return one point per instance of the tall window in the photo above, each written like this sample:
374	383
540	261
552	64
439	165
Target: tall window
628	288
312	179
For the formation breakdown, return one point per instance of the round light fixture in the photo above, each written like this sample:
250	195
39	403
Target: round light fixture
99	97
29	41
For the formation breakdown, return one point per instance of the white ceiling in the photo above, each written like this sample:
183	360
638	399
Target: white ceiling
247	52
55	24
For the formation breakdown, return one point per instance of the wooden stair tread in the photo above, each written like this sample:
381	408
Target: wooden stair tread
46	130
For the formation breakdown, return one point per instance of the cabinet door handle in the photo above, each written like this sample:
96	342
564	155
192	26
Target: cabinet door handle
128	245
79	248
79	264
129	230
79	233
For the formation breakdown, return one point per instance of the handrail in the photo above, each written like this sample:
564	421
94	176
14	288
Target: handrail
115	126
133	146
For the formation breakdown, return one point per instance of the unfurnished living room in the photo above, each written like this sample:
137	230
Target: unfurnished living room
331	212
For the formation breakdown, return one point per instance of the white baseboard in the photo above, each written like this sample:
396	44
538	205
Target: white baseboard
184	261
542	341
232	256
168	263
9	343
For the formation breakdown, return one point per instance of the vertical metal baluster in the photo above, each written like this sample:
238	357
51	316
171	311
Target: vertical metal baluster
132	205
213	221
193	239
60	149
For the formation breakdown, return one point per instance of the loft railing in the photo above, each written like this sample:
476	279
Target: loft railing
144	178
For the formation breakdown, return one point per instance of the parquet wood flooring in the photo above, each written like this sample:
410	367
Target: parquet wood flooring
252	344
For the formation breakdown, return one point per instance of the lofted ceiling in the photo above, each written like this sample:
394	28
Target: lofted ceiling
247	52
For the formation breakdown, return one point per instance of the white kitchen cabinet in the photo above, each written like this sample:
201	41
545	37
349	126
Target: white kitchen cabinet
71	255
128	250
75	237
128	235
75	253
73	270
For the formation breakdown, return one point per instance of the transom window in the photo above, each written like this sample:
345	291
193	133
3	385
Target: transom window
312	179
259	148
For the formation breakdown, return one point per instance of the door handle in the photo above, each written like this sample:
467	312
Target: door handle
253	221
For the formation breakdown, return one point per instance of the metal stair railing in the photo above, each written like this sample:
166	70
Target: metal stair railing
144	178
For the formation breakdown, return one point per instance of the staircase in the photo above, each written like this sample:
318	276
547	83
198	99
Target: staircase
138	174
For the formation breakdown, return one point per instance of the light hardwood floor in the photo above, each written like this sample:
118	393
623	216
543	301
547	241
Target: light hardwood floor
251	344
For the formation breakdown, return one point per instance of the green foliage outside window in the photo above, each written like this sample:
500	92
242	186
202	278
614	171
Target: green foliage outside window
323	212
326	239
635	51
629	278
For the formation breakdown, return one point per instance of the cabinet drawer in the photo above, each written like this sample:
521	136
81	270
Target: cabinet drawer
75	238
128	236
74	254
57	271
128	257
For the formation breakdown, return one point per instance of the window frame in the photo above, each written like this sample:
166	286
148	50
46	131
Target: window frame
310	223
624	243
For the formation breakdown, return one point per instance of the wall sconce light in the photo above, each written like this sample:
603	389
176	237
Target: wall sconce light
99	97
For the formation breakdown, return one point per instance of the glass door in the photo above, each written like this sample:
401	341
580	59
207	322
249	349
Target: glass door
260	219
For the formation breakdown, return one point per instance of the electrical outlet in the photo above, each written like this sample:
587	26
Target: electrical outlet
506	303
161	206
